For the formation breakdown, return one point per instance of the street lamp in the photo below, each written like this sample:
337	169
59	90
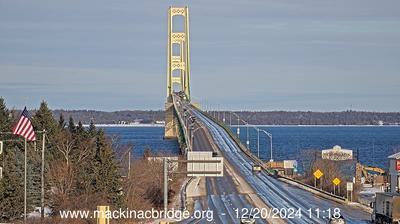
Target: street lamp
270	142
238	123
247	134
258	143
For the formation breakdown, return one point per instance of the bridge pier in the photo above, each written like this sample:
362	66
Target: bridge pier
171	122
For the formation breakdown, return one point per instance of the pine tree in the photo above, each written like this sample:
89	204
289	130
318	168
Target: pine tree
44	120
71	125
11	187
5	123
92	129
106	178
80	130
61	121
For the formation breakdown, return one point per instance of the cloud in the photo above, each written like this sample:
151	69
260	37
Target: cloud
101	54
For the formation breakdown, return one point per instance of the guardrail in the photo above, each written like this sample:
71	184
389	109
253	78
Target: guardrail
182	127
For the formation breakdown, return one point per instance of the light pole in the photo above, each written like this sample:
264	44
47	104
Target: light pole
247	141
238	128
270	143
238	123
258	143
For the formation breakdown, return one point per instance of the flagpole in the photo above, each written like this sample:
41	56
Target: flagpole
43	148
25	180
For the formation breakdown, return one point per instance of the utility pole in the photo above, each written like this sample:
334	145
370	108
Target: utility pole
129	163
165	184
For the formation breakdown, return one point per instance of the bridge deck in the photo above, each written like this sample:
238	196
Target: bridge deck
275	193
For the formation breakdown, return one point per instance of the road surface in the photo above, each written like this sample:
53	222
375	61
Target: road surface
275	193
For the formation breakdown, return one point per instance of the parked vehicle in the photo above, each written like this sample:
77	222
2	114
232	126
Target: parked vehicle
386	208
247	219
339	220
256	168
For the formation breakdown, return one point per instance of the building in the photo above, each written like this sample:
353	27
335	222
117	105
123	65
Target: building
337	153
285	167
394	172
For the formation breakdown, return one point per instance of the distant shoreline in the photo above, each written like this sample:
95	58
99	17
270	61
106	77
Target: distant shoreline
262	125
125	125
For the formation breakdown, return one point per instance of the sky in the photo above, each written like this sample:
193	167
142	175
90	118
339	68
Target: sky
245	55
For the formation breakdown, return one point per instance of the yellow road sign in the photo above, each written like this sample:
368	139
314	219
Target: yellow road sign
336	181
102	214
318	174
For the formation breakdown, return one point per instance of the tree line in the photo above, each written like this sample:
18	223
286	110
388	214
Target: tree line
83	168
253	117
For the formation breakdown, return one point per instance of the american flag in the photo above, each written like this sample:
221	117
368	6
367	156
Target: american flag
24	127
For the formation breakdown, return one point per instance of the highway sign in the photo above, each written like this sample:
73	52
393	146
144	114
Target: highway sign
318	174
349	186
336	181
212	166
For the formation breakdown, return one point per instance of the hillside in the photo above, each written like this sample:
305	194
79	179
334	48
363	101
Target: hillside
262	117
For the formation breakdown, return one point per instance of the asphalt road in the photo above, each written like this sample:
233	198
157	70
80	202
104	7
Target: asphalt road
222	196
275	193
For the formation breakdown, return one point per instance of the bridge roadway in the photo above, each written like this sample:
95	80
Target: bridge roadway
222	195
273	192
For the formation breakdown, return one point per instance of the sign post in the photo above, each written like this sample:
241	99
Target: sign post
199	164
103	217
336	182
349	187
317	175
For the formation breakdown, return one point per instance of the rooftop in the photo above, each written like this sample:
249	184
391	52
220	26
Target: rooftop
394	156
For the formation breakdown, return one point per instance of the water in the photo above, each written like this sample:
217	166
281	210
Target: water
144	137
374	144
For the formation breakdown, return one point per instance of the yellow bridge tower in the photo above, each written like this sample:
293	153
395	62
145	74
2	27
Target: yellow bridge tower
178	65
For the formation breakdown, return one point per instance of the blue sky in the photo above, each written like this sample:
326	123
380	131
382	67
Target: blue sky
249	55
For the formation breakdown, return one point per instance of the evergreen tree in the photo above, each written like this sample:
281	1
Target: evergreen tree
5	122
11	186
61	121
106	179
44	120
71	125
92	129
80	131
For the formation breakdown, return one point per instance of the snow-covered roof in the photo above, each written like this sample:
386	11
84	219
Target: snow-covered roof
395	156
